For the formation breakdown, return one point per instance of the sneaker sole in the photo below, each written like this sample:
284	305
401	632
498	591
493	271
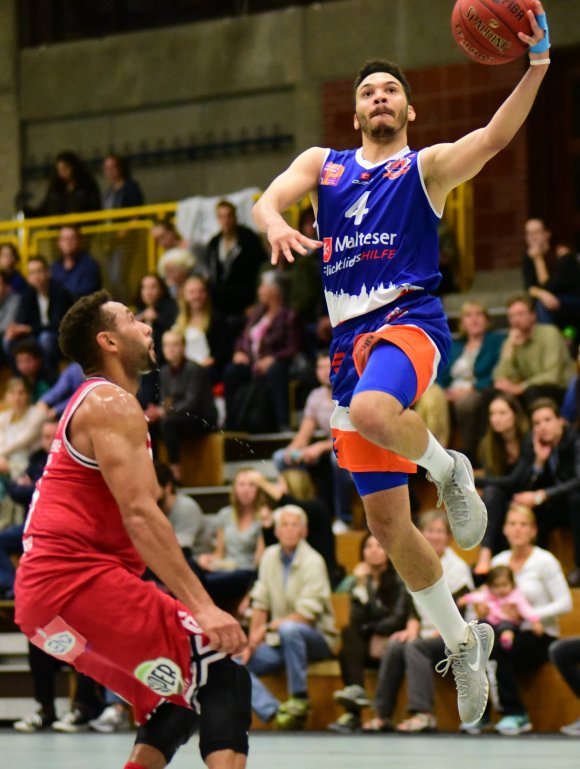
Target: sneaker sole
516	732
490	636
348	703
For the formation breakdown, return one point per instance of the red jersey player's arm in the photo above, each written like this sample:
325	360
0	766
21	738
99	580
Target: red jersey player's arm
116	429
298	180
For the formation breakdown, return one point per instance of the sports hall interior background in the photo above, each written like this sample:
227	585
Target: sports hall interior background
280	76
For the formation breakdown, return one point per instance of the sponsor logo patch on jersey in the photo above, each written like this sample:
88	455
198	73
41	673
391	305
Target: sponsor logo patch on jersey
399	167
326	249
331	174
161	675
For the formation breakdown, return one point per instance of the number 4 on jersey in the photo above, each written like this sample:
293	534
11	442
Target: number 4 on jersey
358	208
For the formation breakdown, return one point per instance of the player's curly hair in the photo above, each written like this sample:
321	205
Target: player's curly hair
79	328
382	65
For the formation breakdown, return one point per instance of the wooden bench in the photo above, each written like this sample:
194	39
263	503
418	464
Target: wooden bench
202	459
549	701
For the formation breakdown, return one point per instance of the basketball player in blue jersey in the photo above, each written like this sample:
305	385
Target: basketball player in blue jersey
377	211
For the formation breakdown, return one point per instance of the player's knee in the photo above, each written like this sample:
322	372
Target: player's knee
373	418
226	712
168	728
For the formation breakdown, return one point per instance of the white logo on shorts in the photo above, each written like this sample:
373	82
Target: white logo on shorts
59	644
163	676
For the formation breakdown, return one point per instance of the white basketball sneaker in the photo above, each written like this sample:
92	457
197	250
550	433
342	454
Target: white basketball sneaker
468	667
465	509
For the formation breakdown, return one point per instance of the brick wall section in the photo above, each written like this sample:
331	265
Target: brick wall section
451	101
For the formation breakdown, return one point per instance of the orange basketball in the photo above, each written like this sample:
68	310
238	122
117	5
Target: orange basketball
487	30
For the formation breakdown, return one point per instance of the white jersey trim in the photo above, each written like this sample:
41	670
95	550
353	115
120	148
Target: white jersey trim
345	306
367	164
75	455
438	214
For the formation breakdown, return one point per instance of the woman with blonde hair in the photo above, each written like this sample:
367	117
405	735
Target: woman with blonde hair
207	340
467	375
20	428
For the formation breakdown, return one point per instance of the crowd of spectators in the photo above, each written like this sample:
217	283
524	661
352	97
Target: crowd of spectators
230	332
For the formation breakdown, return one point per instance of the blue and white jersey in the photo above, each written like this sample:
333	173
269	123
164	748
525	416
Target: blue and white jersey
379	230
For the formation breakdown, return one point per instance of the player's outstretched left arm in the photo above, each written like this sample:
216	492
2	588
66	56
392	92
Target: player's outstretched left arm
445	166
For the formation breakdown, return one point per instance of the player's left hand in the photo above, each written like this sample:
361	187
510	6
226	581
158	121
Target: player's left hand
538	33
223	631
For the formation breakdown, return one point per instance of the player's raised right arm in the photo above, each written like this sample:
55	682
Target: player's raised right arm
298	180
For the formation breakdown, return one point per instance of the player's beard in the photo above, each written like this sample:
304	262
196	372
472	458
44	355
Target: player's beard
139	360
383	130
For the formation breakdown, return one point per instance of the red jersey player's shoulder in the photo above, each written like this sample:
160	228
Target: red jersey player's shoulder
110	407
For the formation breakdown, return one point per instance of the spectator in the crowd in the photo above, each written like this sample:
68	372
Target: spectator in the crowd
565	655
166	236
467	376
9	261
379	606
292	620
239	541
156	307
183	512
534	359
546	479
540	578
42	307
71	189
268	343
20	491
571	403
75	268
500	596
207	336
116	717
122	190
414	649
55	399
187	406
295	487
20	427
233	258
558	298
499	454
175	267
9	303
29	367
538	258
303	452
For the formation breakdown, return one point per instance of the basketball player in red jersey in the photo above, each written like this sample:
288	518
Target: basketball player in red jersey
377	210
93	526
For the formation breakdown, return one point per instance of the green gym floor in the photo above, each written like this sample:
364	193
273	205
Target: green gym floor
306	751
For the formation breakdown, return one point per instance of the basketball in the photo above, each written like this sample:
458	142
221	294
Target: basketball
487	30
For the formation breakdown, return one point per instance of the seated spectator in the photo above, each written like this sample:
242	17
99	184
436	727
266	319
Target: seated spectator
565	655
20	428
9	303
75	268
175	267
233	260
467	375
20	491
304	453
55	399
207	336
9	261
539	576
71	189
122	190
571	402
496	601
558	298
379	606
183	512
292	620
30	367
546	479
187	406
538	257
263	352
156	307
43	305
295	487
413	651
534	359
166	236
499	454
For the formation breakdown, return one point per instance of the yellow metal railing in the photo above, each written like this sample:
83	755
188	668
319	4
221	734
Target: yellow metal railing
459	217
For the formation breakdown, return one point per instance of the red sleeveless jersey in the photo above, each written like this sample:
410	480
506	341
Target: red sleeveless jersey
74	528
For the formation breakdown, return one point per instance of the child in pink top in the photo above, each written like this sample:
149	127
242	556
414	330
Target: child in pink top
492	600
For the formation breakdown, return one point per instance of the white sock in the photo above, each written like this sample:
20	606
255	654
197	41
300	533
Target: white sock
437	602
435	459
